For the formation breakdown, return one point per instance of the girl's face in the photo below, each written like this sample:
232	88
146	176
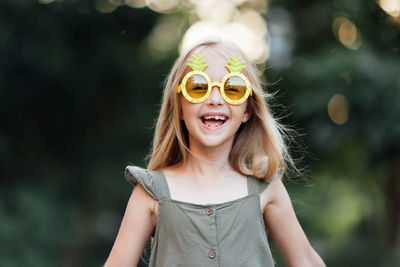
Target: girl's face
213	122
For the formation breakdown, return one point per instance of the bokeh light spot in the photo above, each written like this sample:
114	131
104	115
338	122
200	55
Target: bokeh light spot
219	12
104	6
237	21
346	33
199	31
117	2
162	6
252	44
338	109
391	7
253	20
136	3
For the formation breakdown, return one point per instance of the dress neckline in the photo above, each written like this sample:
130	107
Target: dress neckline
220	204
225	203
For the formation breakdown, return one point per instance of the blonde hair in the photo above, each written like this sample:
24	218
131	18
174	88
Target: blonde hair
258	149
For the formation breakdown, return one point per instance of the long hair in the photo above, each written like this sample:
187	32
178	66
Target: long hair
258	148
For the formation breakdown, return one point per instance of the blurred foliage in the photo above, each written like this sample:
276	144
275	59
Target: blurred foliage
80	91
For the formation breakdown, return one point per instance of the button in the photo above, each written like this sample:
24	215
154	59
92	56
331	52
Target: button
209	211
212	254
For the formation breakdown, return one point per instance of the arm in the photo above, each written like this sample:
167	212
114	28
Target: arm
285	229
136	227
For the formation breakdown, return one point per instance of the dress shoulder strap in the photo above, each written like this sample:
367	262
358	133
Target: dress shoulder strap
257	185
152	181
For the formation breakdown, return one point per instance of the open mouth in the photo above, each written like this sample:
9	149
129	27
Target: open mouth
214	121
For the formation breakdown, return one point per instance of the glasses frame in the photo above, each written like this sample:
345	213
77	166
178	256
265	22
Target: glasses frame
182	87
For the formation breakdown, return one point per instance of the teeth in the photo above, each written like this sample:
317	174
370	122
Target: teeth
222	118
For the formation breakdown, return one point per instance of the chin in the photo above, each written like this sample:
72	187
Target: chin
213	142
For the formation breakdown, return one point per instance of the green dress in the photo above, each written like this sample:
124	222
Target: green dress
229	234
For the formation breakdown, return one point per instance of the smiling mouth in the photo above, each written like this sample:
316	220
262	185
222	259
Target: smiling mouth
213	122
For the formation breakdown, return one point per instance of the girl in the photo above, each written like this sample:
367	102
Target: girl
213	184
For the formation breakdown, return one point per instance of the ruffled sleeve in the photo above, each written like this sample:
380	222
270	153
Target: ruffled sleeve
136	175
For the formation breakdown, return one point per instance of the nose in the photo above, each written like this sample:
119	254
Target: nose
215	97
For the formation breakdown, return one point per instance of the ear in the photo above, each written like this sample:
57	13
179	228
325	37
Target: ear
246	116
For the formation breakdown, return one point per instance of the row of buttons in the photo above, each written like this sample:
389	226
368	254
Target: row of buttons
212	253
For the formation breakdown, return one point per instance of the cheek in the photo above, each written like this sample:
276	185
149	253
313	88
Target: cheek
239	112
188	110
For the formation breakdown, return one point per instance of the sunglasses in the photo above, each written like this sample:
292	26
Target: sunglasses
196	86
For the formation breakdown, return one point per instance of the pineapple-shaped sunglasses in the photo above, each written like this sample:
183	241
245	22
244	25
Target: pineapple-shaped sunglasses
196	86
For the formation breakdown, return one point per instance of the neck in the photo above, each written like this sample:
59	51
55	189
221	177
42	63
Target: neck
209	161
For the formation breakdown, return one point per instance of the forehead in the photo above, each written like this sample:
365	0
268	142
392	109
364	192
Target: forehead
211	53
215	59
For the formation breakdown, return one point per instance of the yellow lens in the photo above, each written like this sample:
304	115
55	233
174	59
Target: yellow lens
197	86
235	88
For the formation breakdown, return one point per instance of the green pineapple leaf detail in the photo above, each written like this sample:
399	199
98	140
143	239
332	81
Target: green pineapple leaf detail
197	62
235	64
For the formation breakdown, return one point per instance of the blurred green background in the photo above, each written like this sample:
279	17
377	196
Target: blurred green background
80	88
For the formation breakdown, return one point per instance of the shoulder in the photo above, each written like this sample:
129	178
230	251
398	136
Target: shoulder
275	195
142	198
